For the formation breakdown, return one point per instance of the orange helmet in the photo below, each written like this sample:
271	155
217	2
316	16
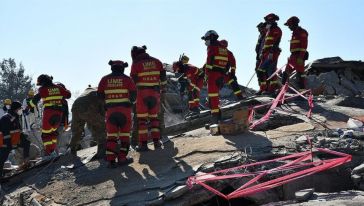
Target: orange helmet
294	20
7	101
271	17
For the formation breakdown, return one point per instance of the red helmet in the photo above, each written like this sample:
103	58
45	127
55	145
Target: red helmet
271	17
294	20
118	63
224	43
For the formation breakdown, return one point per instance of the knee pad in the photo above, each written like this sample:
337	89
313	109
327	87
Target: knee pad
150	101
54	120
118	119
220	82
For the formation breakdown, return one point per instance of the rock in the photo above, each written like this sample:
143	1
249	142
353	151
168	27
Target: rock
303	139
358	170
158	201
304	195
340	90
329	90
361	186
349	85
359	85
356	179
176	192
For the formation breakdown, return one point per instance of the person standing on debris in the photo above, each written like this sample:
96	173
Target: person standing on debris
230	77
150	78
269	55
298	48
119	93
30	113
89	109
195	77
215	68
52	96
258	51
11	135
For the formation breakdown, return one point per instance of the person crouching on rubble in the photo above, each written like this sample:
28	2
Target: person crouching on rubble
119	92
52	96
150	78
11	136
195	77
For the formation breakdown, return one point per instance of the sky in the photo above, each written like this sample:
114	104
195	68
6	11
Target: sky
74	40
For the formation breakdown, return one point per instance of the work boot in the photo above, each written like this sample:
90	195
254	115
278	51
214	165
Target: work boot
125	161
157	144
142	147
112	164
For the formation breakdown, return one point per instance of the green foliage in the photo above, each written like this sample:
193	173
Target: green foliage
14	84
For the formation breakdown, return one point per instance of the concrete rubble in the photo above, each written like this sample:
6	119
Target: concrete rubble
159	177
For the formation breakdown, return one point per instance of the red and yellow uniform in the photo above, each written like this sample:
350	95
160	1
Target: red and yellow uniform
119	91
230	77
150	78
216	63
269	58
298	47
52	96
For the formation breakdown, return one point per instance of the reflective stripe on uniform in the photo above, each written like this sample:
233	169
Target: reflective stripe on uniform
197	100
117	100
231	81
31	103
148	84
142	115
295	41
48	130
298	49
164	82
153	115
116	91
208	66
237	92
274	82
154	130
191	102
233	68
14	131
213	94
53	98
148	73
47	143
269	38
109	152
267	46
221	58
144	131
54	141
214	110
120	134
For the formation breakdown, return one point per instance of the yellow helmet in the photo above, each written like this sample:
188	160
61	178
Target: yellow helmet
7	101
184	59
31	93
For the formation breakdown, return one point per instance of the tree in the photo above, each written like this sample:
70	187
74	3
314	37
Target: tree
14	84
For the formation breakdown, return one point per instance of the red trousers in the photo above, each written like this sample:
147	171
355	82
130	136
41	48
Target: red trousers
295	62
266	68
50	123
147	108
118	128
215	81
194	94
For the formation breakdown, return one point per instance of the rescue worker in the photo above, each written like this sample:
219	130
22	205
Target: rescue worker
298	48
89	109
215	68
11	135
52	96
30	114
119	93
6	107
150	78
230	75
195	77
258	51
270	54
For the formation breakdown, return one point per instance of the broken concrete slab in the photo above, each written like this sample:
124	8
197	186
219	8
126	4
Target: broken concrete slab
304	195
358	170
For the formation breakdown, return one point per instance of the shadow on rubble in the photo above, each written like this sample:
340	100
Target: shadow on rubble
249	143
167	168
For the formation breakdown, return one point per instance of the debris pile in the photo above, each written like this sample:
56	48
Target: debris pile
334	76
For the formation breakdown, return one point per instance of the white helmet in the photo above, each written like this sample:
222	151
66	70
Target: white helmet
210	35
